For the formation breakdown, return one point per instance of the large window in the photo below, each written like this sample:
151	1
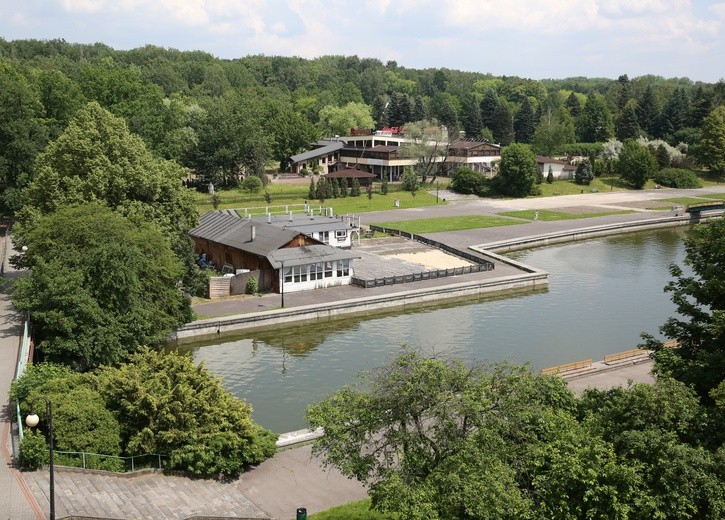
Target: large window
328	269
325	237
316	271
343	268
295	274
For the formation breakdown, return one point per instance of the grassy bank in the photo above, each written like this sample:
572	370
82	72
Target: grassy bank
437	225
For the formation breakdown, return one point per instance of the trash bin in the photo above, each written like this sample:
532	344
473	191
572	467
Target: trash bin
397	203
301	513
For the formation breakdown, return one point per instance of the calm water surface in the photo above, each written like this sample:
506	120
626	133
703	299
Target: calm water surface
602	294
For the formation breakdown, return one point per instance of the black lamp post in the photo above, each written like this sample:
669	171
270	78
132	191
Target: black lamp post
32	421
281	284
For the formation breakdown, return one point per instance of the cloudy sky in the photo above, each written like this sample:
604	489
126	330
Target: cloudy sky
528	38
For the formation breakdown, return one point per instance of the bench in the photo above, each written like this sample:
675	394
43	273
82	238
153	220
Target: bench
568	369
634	354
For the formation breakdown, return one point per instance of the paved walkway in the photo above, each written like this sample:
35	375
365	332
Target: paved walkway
15	500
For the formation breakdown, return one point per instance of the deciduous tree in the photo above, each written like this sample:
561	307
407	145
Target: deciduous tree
517	171
636	164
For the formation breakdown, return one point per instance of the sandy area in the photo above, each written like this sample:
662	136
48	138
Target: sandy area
434	259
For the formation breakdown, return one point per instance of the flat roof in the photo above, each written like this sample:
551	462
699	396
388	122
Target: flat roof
304	255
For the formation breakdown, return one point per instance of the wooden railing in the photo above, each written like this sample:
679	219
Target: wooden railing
568	368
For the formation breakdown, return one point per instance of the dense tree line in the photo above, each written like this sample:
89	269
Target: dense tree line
224	117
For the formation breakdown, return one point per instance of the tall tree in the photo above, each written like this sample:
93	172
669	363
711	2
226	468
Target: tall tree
625	91
518	171
96	158
429	148
503	124
472	122
627	122
699	326
554	129
101	285
648	111
524	122
636	164
419	110
594	124
573	105
674	114
339	120
488	108
711	149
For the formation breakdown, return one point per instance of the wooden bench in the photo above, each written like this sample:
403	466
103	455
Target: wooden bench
626	356
569	368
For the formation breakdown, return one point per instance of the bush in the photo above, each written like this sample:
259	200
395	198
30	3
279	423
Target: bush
583	174
466	181
252	286
33	451
677	178
252	184
384	186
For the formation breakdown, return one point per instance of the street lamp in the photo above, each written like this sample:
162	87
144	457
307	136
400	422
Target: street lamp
281	284
32	421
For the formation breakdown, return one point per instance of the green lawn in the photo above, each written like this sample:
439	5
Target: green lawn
691	200
353	511
437	225
547	215
569	187
285	194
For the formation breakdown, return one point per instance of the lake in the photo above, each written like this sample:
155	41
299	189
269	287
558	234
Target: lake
602	294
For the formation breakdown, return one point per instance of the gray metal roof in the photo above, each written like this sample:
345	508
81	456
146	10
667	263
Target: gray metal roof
317	152
305	223
235	232
294	256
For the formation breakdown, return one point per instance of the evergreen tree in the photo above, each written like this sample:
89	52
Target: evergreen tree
583	174
405	110
396	117
711	150
312	193
573	104
355	190
321	191
524	122
625	91
329	190
674	114
550	175
335	188
488	107
384	186
343	188
419	111
594	124
647	111
472	122
503	124
699	108
448	117
627	122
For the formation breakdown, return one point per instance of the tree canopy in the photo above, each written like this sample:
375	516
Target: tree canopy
518	171
101	286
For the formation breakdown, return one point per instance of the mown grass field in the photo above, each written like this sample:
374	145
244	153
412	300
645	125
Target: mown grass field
548	215
437	225
288	194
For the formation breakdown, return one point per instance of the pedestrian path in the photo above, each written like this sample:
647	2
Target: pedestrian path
15	499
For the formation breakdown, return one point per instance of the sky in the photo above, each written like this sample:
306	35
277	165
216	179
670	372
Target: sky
527	38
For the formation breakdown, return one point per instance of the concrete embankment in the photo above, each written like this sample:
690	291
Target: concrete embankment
450	288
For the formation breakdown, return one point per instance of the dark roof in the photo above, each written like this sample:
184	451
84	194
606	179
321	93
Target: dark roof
331	147
541	159
292	256
349	173
467	145
233	231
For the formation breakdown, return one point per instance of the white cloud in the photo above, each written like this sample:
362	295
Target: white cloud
719	10
82	6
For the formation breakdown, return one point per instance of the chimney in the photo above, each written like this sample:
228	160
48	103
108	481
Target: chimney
254	232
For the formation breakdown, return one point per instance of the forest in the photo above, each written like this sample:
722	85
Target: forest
220	118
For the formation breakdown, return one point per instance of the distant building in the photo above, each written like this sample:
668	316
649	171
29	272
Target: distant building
559	169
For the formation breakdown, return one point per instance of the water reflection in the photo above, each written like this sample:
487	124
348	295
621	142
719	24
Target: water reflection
602	294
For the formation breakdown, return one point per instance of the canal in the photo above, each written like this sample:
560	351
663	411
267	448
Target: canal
602	294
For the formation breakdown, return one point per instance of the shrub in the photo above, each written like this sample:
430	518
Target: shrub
252	286
583	174
384	186
252	184
355	190
466	181
677	178
33	451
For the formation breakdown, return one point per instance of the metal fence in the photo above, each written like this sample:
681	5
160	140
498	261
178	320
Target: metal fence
417	277
480	264
86	460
